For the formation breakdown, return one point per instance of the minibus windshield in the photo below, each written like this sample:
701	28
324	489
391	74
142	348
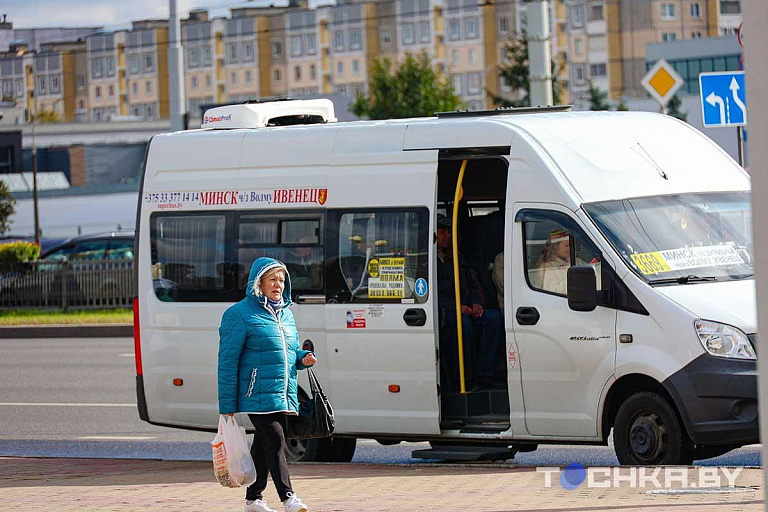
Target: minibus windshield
681	239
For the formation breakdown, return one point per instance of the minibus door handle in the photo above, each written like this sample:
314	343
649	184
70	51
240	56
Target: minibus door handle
527	316
415	317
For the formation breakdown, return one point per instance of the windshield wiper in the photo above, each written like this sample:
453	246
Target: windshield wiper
683	280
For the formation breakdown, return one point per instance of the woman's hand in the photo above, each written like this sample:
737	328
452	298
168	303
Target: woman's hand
308	360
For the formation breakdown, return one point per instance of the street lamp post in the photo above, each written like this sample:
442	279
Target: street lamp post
34	167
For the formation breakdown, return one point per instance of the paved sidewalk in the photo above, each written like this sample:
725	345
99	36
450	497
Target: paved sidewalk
123	485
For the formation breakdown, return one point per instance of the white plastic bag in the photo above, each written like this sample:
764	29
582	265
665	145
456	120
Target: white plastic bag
232	462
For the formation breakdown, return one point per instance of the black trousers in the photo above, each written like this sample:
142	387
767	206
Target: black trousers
268	455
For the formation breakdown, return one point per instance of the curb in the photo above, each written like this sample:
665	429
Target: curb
68	331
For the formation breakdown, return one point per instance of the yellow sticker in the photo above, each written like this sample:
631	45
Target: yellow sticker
373	268
651	263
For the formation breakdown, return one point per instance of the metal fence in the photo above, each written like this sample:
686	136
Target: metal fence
79	284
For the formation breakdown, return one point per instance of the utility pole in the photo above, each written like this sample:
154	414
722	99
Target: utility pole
539	53
34	166
175	70
755	18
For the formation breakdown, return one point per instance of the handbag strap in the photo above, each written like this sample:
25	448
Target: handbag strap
314	384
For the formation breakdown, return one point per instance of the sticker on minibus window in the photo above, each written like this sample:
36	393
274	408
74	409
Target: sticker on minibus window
390	280
687	258
356	319
234	197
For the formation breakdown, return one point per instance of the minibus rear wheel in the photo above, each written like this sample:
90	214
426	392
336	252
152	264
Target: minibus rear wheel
648	431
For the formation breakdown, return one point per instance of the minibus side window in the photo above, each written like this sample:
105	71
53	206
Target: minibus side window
190	260
377	256
551	248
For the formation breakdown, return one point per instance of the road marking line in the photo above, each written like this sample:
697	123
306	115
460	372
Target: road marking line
42	404
129	354
117	438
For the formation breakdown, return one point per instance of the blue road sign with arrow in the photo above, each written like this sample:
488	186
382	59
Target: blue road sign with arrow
723	99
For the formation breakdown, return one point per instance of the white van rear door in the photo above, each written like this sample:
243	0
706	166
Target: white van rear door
381	350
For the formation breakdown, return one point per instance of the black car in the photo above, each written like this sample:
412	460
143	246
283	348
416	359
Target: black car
116	245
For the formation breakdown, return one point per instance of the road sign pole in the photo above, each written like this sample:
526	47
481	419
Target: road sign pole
740	135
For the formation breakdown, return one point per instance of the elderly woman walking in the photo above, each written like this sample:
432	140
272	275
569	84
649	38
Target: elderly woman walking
258	359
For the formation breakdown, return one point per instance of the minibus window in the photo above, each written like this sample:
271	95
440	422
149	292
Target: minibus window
377	256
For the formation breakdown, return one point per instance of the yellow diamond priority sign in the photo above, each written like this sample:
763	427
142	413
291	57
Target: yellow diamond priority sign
662	82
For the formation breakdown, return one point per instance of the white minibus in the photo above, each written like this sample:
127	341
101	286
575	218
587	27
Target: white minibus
612	250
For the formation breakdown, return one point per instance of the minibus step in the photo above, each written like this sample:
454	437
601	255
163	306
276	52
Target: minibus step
465	453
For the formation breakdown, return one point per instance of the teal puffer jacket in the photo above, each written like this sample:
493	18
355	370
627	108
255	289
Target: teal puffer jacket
259	352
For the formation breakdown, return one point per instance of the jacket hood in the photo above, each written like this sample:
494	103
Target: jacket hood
258	269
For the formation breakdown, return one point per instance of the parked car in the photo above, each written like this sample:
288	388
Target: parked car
115	245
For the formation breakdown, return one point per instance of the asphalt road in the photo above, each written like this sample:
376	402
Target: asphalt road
76	398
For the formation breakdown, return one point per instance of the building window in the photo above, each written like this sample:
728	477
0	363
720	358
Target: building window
233	78
135	88
424	31
277	49
149	62
98	92
296	46
297	73
111	91
668	12
471	25
148	87
232	53
356	67
207	55
149	112
81	105
385	37
730	7
278	75
577	17
695	35
134	62
596	13
455	57
194	82
472	56
207	80
408	35
355	40
249	52
474	83
312	71
248	77
580	74
597	70
339	39
80	81
340	68
311	44
695	11
578	46
110	66
503	25
454	28
457	84
194	58
668	37
96	68
54	81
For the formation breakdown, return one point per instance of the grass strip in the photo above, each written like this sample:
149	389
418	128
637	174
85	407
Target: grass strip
37	317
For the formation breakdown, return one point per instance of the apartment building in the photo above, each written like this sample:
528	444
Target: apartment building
105	80
349	65
55	71
13	75
631	25
147	69
204	54
587	49
730	17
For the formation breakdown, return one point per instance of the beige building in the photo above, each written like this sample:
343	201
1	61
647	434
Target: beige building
147	69
13	75
105	79
204	54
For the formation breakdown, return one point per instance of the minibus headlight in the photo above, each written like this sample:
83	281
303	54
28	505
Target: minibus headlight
724	340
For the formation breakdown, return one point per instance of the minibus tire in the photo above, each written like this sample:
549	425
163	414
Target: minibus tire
648	431
329	449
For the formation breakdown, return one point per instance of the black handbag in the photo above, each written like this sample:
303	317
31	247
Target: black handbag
315	418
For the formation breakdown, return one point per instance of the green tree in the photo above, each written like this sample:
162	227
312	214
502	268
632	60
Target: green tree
47	116
598	100
7	203
516	75
673	108
413	88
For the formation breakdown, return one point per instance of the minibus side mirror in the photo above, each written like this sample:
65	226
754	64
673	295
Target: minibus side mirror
582	288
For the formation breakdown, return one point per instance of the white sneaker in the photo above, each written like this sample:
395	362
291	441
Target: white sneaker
294	504
258	506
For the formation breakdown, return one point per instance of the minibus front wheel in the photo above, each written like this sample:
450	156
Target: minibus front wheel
648	431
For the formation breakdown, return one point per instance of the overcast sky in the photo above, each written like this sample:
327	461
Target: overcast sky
107	13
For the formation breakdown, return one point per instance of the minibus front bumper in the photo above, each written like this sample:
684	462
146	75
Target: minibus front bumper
717	400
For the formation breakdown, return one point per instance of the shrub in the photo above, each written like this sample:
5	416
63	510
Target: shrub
19	252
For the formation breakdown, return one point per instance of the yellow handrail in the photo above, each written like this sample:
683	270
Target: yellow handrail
456	280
